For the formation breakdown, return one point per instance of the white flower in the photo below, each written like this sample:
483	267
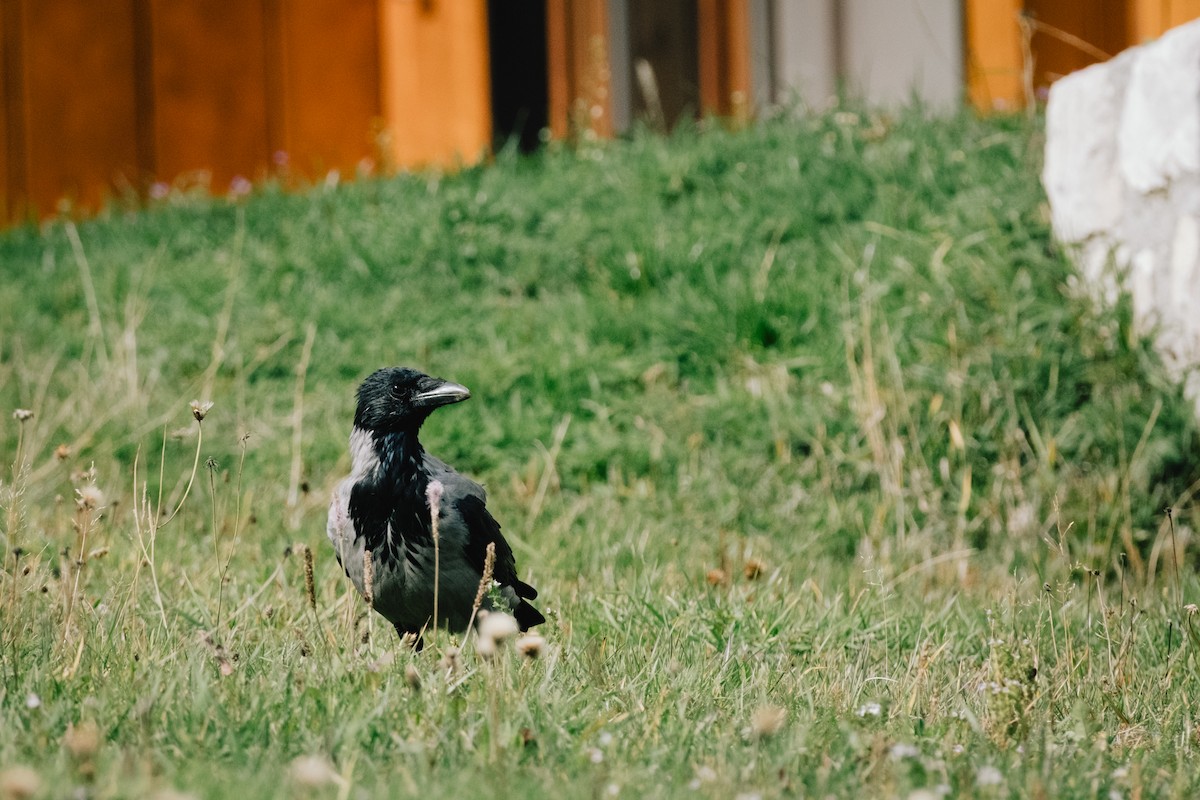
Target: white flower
901	750
988	776
32	701
869	710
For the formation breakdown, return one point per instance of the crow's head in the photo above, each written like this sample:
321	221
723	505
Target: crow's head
399	399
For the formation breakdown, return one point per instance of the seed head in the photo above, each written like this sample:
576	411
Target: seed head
19	782
755	568
82	740
313	772
62	452
494	628
200	409
89	497
412	677
766	721
530	645
1191	609
22	415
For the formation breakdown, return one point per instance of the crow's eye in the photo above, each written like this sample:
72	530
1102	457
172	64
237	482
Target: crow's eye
396	390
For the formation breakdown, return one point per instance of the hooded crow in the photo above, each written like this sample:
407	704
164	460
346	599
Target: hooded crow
383	507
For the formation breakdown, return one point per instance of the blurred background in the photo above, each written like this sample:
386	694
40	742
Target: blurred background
124	99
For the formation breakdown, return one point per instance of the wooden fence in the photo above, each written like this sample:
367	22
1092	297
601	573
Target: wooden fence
104	97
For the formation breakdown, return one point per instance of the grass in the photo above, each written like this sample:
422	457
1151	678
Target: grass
832	480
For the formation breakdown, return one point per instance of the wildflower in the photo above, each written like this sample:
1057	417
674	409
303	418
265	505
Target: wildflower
1191	609
62	452
240	186
22	415
32	701
19	782
869	710
903	750
200	409
767	721
716	577
595	755
530	645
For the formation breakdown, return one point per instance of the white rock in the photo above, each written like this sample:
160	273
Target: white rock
1159	137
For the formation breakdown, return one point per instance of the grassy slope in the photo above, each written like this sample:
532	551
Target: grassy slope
843	347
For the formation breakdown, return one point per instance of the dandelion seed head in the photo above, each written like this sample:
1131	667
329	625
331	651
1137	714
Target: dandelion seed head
530	645
498	626
200	409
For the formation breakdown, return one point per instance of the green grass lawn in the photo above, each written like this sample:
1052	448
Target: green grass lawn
833	482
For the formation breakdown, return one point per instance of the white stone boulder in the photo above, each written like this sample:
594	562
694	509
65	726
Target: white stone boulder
1122	173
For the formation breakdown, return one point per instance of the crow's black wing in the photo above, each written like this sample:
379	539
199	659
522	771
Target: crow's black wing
483	529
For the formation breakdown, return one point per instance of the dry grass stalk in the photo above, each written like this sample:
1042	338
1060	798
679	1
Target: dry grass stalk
485	582
309	585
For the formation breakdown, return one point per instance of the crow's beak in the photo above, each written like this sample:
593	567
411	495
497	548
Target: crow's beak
443	394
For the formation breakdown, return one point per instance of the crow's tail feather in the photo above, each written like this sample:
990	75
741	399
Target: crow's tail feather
527	616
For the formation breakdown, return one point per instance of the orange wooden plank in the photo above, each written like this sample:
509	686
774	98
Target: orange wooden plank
1181	11
80	110
329	105
1149	19
993	52
210	89
435	85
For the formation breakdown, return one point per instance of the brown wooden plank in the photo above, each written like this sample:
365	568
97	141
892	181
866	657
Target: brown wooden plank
559	65
12	156
723	38
80	111
580	73
210	89
1072	34
663	34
